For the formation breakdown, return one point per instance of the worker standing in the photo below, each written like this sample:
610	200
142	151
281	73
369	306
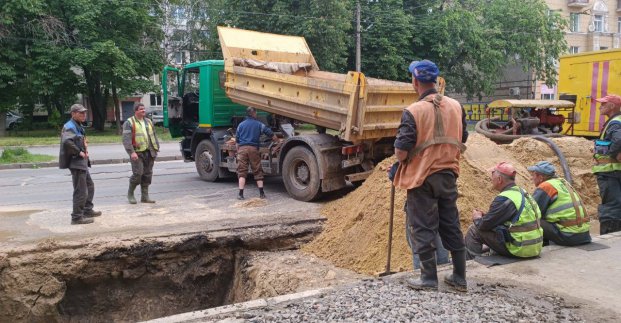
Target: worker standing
428	146
511	227
74	156
248	142
142	145
607	166
563	217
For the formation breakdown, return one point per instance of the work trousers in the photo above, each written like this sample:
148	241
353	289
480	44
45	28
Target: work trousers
610	209
475	239
552	233
142	169
431	209
83	192
249	157
442	255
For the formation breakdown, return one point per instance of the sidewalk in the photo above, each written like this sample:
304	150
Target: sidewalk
99	154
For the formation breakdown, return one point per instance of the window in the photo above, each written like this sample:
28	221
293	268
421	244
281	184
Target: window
598	23
178	57
574	22
547	96
603	48
574	49
619	25
178	15
156	100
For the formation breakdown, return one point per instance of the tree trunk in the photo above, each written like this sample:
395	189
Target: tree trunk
96	98
117	110
2	123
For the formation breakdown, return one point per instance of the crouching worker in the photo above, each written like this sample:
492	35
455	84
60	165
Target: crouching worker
564	219
511	226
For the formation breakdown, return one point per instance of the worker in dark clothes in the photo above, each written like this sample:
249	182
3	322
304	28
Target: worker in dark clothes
607	167
511	227
428	146
247	137
563	217
142	145
74	156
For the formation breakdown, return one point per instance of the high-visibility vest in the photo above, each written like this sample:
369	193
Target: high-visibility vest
604	163
139	138
525	231
567	211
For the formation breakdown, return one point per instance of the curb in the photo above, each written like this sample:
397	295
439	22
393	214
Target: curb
93	162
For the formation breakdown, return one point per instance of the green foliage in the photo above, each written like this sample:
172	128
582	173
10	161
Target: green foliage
21	155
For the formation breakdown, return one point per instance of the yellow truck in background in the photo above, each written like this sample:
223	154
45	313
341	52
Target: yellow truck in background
278	74
583	78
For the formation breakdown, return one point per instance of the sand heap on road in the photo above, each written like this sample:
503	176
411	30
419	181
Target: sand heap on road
356	232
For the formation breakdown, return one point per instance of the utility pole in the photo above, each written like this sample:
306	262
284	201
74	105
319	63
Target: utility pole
358	36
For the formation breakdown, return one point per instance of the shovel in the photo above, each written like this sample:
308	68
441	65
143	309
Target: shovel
392	215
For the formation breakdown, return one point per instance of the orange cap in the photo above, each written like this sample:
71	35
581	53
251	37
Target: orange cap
504	168
614	99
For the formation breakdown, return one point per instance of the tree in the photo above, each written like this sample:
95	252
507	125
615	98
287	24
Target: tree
386	38
473	41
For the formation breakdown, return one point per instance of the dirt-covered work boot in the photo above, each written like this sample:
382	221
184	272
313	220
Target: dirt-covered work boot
144	197
130	194
428	273
261	193
457	279
91	213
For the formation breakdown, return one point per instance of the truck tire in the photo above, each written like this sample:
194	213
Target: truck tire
300	174
206	160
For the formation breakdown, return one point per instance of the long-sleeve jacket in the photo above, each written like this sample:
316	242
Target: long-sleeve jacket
613	134
128	142
406	133
72	142
249	132
500	211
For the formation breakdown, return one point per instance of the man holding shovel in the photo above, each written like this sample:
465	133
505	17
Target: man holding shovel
428	146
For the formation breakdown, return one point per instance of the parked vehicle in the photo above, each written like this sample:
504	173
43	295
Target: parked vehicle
278	74
583	78
12	120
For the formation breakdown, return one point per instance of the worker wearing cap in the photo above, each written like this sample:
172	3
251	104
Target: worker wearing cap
74	156
511	227
428	145
607	166
563	217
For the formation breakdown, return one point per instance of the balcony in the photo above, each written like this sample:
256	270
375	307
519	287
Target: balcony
577	3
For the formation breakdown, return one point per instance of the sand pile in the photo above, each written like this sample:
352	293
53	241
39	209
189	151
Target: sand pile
356	232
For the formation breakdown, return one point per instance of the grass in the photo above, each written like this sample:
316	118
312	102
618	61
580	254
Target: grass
20	138
21	155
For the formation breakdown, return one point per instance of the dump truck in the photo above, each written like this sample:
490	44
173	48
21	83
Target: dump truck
355	117
583	78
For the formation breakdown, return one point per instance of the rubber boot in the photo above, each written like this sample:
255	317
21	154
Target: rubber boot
457	279
130	194
144	197
428	273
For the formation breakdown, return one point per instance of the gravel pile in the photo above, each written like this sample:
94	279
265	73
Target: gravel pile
378	301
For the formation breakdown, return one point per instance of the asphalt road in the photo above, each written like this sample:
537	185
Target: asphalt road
35	204
105	151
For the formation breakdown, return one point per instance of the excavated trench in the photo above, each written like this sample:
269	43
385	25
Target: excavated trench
150	278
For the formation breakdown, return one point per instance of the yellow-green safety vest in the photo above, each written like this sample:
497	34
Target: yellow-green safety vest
526	232
567	211
139	138
604	163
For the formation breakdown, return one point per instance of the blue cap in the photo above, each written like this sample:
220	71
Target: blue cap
425	71
543	167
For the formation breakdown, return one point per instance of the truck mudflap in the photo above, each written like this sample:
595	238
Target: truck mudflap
327	150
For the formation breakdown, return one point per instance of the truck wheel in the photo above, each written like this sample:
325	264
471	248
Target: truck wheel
206	161
301	174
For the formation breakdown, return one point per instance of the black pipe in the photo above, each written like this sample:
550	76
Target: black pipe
560	155
503	138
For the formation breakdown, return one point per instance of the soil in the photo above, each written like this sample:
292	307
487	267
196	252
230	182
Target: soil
355	235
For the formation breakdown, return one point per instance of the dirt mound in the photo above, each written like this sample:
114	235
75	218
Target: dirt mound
356	232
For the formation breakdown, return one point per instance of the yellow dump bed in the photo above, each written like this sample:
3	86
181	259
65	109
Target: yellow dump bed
278	74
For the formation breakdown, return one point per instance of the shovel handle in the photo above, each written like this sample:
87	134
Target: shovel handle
392	215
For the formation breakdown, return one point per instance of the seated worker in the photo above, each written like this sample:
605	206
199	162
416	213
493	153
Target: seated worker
563	216
511	226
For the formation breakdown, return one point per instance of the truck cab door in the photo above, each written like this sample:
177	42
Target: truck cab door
171	91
